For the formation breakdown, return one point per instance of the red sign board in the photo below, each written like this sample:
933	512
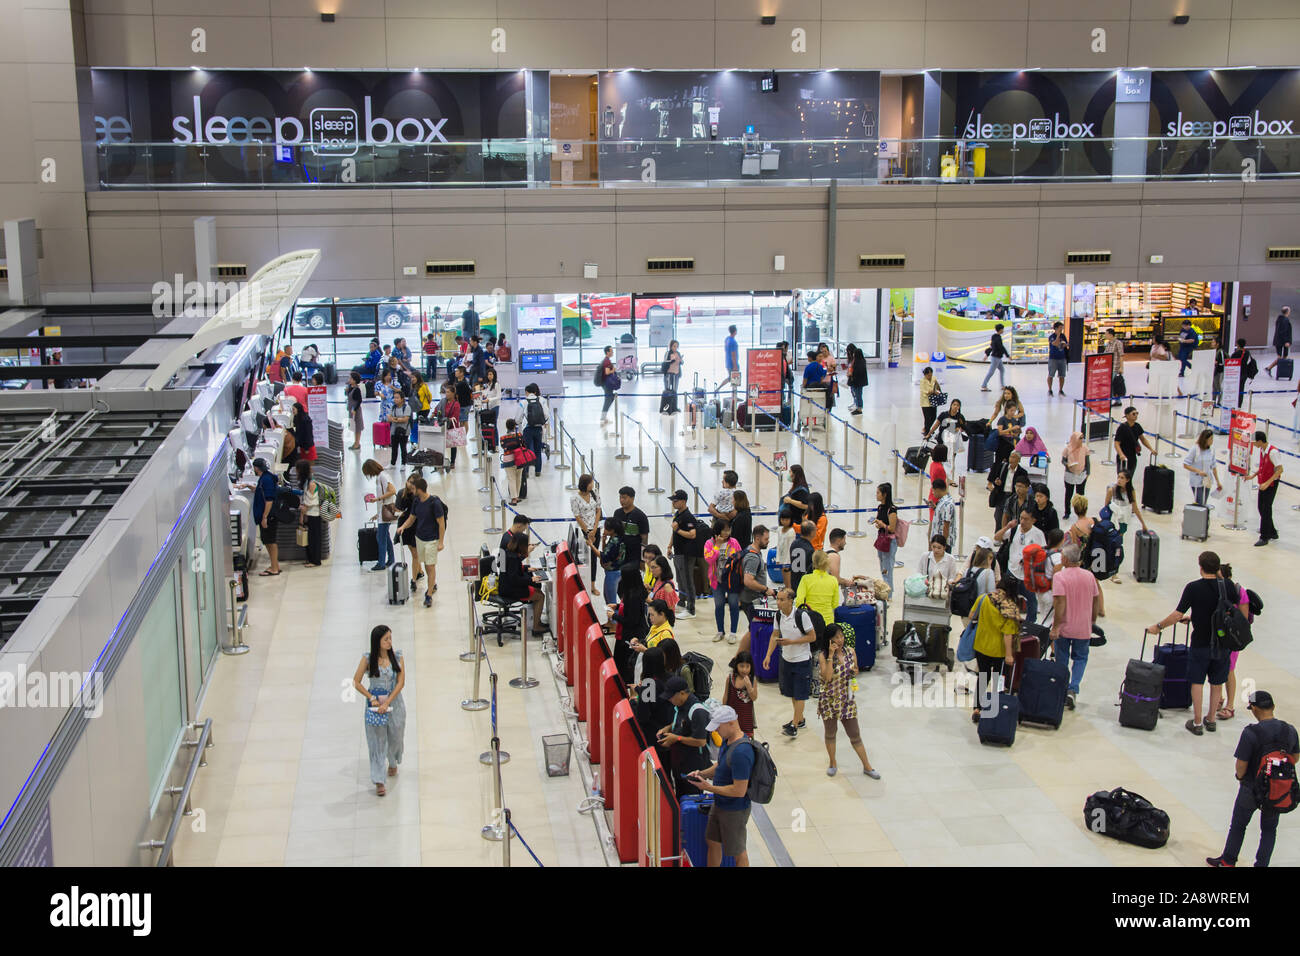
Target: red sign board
764	373
1098	372
1241	441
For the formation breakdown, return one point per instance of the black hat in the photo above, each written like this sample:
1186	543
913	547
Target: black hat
679	495
1260	698
675	685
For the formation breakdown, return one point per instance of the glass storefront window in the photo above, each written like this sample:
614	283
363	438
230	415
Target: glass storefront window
160	664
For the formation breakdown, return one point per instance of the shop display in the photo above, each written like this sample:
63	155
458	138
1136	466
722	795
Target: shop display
1130	309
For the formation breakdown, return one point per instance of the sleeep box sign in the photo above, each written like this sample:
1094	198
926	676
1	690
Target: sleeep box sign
334	131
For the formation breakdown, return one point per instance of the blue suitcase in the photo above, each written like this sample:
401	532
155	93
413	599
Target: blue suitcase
774	577
695	818
1042	692
1000	728
760	635
1175	692
862	619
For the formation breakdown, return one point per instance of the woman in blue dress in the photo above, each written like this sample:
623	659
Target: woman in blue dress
385	713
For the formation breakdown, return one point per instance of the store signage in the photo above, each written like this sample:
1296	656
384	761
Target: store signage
779	462
331	132
318	412
1231	389
1038	130
1133	86
1099	371
955	292
1235	127
763	372
1241	441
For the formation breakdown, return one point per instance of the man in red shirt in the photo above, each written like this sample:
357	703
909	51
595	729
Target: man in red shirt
1268	472
297	389
1076	602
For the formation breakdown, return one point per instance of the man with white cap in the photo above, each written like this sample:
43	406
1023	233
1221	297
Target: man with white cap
728	781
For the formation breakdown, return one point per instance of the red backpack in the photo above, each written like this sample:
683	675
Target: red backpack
1276	786
1035	569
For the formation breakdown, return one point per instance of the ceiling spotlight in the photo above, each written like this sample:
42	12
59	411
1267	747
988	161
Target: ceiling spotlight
1182	19
769	20
327	18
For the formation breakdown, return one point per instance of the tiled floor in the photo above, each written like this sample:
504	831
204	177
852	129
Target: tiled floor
287	782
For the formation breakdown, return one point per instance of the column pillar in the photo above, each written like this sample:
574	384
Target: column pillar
925	330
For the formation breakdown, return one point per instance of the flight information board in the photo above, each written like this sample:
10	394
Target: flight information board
536	340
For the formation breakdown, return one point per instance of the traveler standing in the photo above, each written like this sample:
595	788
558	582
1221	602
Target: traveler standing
886	531
787	375
685	737
818	589
264	492
356	395
731	351
1205	660
742	690
796	500
1001	486
514	454
1269	473
673	371
629	615
1009	425
384	498
1267	739
428	516
1249	369
1201	465
1076	466
487	417
801	554
406	539
1024	535
309	513
838	704
857	377
503	348
793	633
754	568
929	385
297	390
421	405
451	412
997	621
1076	603
996	352
430	350
399	418
586	512
1128	436
1058	356
686	548
385	714
1281	336
728	781
719	551
535	419
634	526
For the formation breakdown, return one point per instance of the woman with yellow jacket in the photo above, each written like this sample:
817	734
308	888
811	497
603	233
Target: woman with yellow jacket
819	590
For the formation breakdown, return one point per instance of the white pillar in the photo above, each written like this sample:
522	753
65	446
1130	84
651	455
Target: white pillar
21	261
205	249
925	329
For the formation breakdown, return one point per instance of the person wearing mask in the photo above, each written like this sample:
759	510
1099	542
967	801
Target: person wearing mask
886	531
1188	339
796	500
857	376
838	669
793	634
996	353
535	419
1269	472
686	548
785	535
929	385
1045	517
385	715
517	582
1205	661
356	395
309	513
587	515
672	374
297	390
1003	479
1281	338
719	551
731	351
1129	437
937	562
728	781
1021	537
1058	356
384	498
685	738
1200	466
1268	735
818	590
607	371
944	514
723	505
428	516
743	521
1076	605
399	417
1075	459
490	391
264	491
801	554
741	691
817	515
997	621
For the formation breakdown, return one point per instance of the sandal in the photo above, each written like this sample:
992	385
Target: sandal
380	790
392	771
267	574
1226	713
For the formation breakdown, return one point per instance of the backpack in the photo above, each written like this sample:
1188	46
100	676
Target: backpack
1276	787
1035	569
446	512
731	576
534	414
701	666
963	594
810	616
1256	604
599	378
611	558
762	779
1230	630
1105	549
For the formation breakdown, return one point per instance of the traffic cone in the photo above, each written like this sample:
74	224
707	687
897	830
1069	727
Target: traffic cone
342	327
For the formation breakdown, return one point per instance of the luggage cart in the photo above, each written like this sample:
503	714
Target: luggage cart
431	449
930	612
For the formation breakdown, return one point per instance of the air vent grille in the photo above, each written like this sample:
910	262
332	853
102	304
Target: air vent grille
1283	253
891	261
670	265
231	270
1096	257
442	267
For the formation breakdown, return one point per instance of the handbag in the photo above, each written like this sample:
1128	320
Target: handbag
456	436
523	457
884	541
300	536
373	717
388	512
938	398
613	381
914	586
966	643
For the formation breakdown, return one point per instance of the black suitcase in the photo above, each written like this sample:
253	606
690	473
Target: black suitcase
1175	691
978	458
331	373
1098	428
1139	695
667	402
1146	561
367	544
1285	368
1042	692
999	726
1158	489
916	458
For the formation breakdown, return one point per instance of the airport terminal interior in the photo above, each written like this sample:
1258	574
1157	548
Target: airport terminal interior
311	304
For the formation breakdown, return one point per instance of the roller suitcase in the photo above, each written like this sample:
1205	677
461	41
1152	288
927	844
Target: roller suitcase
1285	368
399	583
916	458
709	415
760	635
862	619
1042	692
978	458
1158	489
695	821
331	373
1175	691
1034	644
381	433
1146	561
367	544
667	403
1139	695
999	726
1196	522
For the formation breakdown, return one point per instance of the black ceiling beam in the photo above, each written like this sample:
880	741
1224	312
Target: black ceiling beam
65	372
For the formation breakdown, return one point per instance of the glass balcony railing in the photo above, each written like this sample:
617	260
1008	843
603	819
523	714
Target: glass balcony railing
556	164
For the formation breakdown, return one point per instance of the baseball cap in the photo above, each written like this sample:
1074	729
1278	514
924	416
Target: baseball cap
1261	699
984	542
676	684
679	495
721	715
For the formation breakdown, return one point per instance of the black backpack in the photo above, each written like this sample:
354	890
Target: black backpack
818	622
963	594
534	413
701	667
762	779
1256	604
446	512
1230	629
599	379
731	577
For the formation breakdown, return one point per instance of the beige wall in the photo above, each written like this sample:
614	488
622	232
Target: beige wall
685	34
536	241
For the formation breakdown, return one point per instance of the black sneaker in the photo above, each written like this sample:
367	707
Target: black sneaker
789	730
802	724
1194	727
1069	701
1211	725
1261	542
1219	861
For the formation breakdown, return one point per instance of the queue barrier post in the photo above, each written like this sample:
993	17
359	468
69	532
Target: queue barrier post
493	831
857	531
866	443
657	489
476	702
470	655
573	458
830	473
496	496
557	439
847	466
487	756
622	452
717	447
640	449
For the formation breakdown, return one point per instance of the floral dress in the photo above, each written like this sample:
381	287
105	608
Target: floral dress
837	701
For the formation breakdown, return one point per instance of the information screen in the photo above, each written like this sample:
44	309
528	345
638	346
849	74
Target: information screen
535	336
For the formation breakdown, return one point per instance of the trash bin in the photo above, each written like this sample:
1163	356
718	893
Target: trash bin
558	749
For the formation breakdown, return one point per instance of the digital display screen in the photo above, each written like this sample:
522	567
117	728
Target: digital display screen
536	361
535	338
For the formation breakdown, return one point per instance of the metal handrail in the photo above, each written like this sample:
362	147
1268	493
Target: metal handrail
183	792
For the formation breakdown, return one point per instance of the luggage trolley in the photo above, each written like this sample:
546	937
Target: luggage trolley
431	448
924	613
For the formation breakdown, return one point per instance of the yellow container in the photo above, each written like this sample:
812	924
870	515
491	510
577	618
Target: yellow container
977	157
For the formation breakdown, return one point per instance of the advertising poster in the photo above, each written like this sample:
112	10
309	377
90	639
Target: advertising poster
764	373
1231	389
318	412
771	324
1097	376
1241	437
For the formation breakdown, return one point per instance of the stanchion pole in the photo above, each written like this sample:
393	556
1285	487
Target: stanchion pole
657	490
492	832
573	458
482	446
896	459
866	443
496	494
470	654
920	520
847	466
717	448
523	681
622	453
758	486
734	443
640	449
476	702
505	842
487	756
752	408
961	528
830	474
1236	508
483	468
557	439
1110	445
857	531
